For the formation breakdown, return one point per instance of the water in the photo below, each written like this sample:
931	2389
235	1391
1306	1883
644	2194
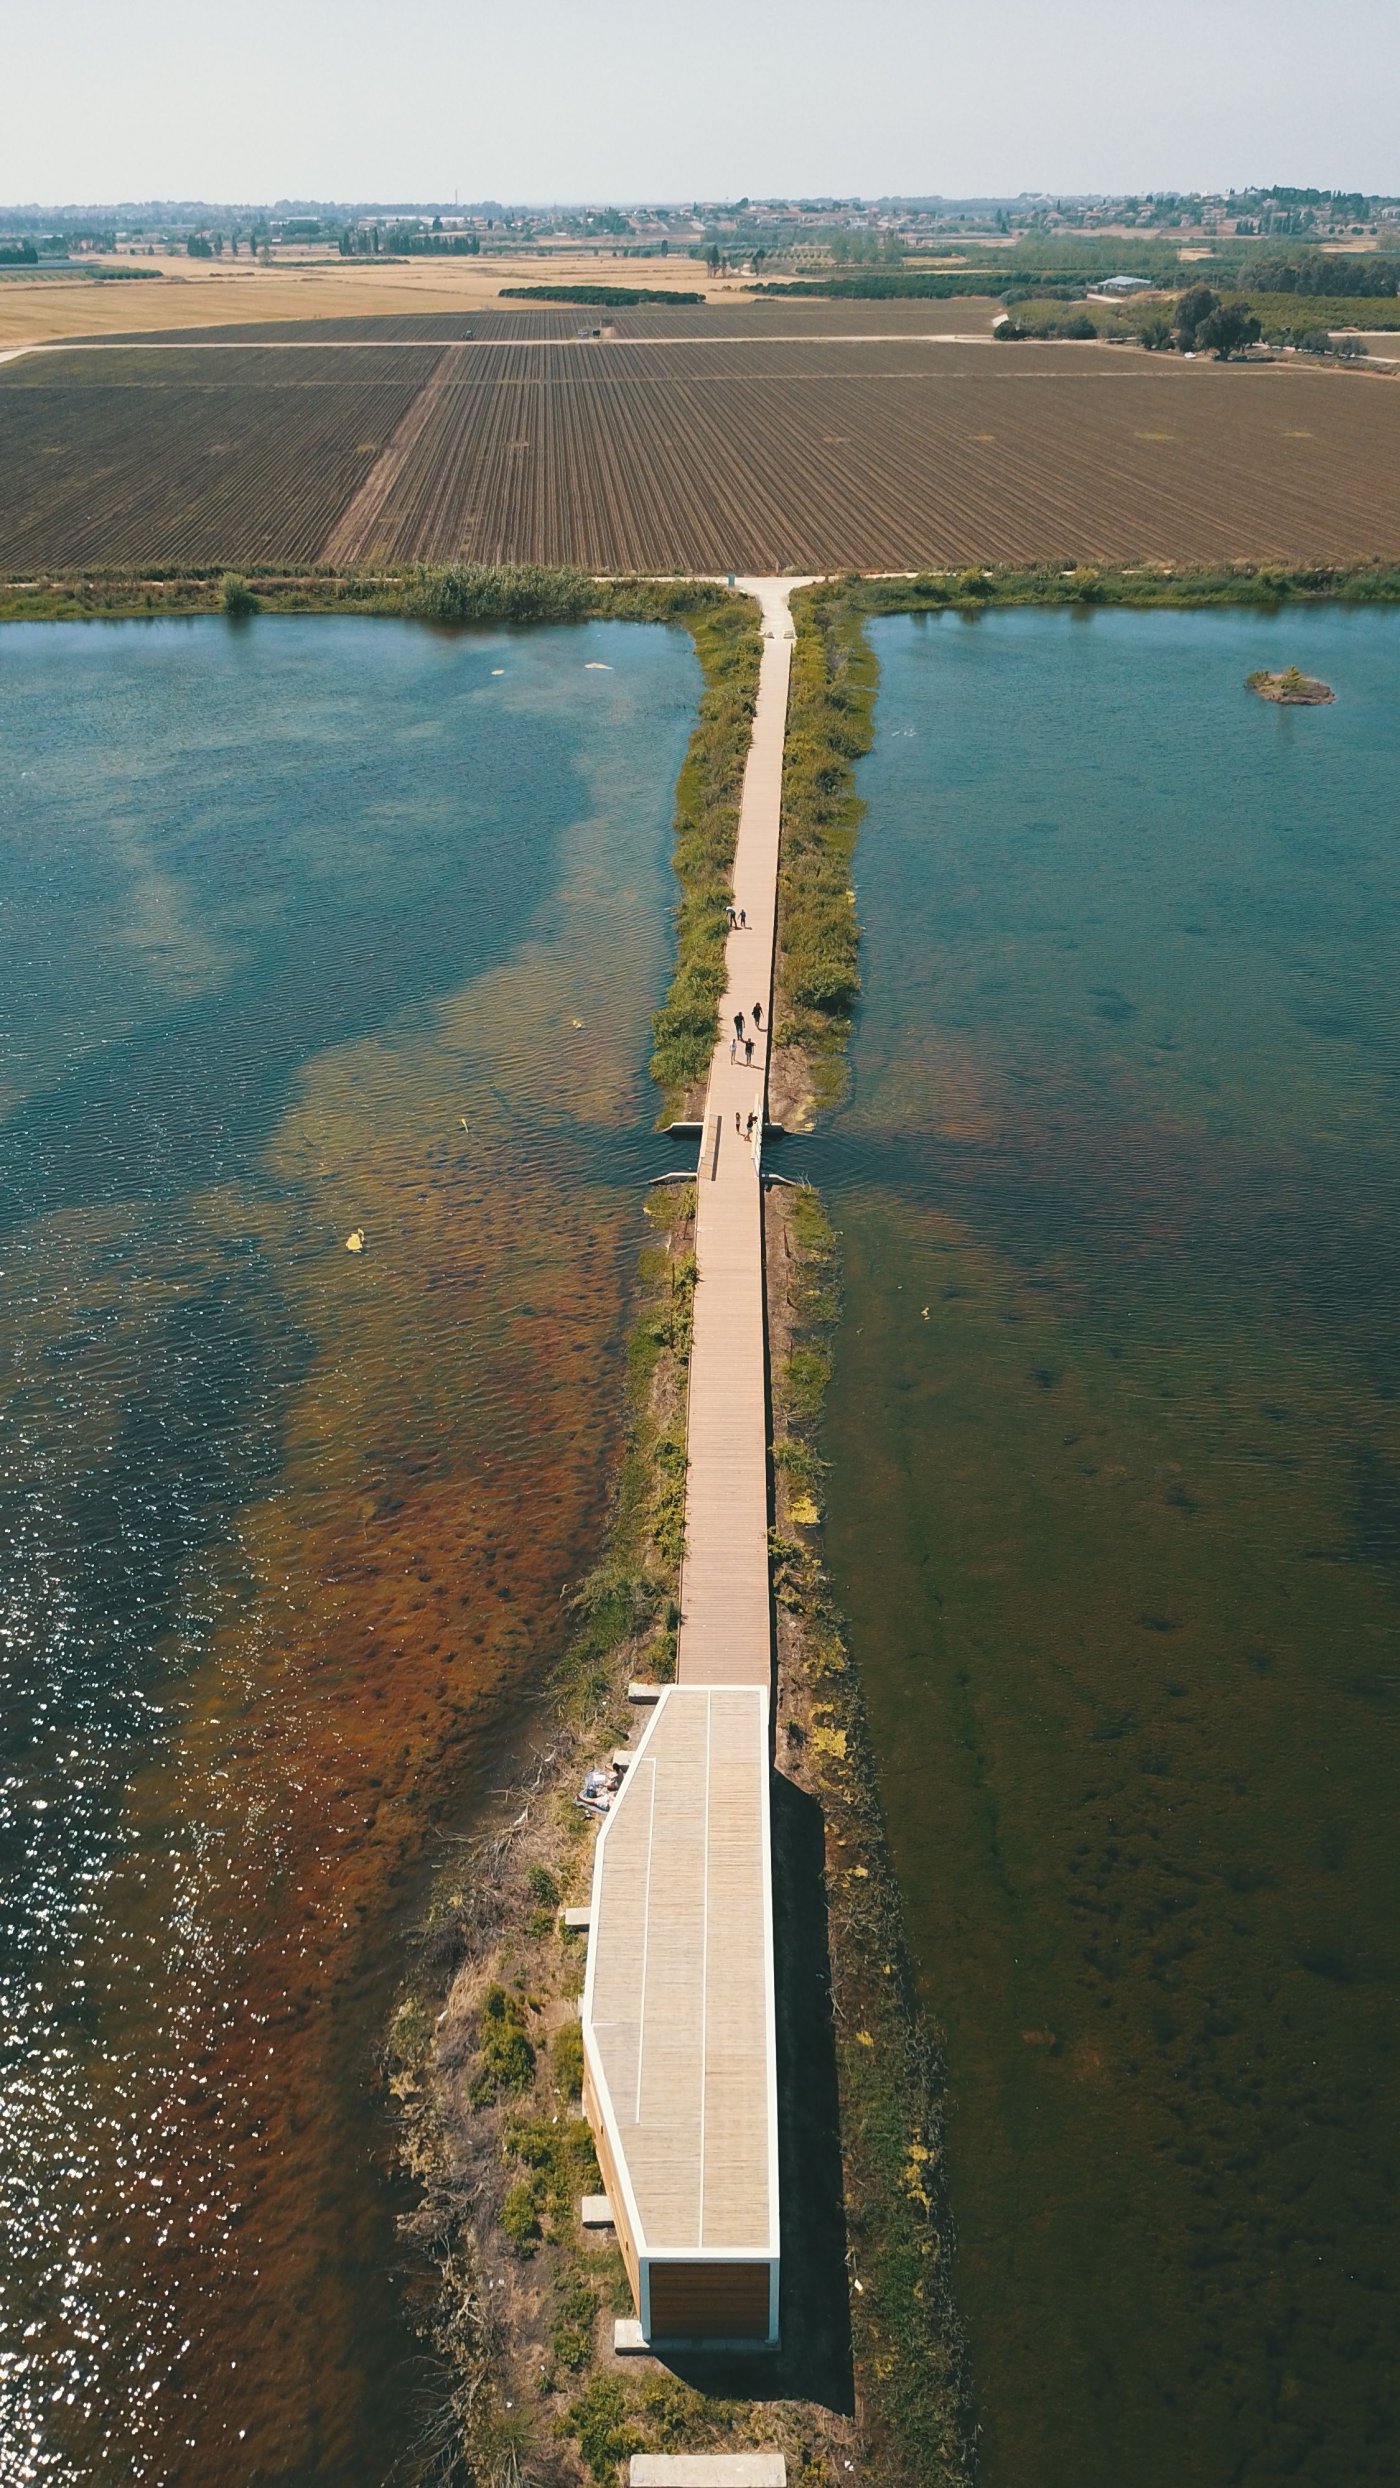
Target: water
1116	1512
282	908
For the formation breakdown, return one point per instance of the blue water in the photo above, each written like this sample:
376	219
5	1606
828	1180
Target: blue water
306	926
1115	1511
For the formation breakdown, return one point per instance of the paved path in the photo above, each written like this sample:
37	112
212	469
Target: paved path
194	344
726	1629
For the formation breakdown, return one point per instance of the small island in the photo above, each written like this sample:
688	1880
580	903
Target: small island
1291	689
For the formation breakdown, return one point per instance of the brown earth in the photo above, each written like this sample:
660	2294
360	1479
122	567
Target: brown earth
702	440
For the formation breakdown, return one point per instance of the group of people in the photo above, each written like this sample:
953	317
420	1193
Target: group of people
739	1037
599	1789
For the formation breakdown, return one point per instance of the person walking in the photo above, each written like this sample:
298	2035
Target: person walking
743	921
748	1127
748	1049
758	1015
738	1126
739	1025
733	1048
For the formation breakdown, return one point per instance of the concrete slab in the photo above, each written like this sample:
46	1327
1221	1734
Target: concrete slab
629	2340
596	2212
707	2470
578	1921
638	1692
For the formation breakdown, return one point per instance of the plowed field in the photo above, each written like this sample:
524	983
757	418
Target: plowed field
199	459
755	449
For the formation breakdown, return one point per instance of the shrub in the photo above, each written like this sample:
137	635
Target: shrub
520	2215
566	2059
507	2057
237	597
543	1889
604	2429
477	592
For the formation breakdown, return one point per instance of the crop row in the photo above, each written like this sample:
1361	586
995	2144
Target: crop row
1108	464
170	472
691	457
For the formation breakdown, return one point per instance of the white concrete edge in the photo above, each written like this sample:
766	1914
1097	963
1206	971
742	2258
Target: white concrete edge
770	2007
601	2090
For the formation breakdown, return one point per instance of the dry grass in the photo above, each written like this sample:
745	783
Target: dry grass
195	294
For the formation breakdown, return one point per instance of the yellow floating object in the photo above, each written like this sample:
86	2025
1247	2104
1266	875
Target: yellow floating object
355	1241
803	1510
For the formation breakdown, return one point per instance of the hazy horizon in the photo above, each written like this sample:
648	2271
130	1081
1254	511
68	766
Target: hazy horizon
917	98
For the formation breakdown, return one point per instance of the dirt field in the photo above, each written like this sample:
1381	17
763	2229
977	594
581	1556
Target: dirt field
782	436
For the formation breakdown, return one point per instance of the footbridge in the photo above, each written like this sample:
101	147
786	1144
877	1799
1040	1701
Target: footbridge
678	2008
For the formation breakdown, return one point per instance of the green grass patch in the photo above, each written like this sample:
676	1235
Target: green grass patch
831	708
727	644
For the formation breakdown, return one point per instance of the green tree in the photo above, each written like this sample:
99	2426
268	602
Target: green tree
1156	335
236	596
1195	305
1227	330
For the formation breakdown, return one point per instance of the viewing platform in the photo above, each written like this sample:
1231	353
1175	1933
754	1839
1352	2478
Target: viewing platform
678	2019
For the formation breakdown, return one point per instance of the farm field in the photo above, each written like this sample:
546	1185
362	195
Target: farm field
557	323
197	294
768	448
113	463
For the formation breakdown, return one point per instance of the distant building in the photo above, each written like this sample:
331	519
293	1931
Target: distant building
1125	285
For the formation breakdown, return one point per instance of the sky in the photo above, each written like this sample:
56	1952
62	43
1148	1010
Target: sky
571	100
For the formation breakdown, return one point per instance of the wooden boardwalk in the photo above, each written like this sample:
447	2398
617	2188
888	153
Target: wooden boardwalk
677	2016
726	1628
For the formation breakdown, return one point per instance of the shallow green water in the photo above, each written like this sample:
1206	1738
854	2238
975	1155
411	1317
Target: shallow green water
305	927
1115	1511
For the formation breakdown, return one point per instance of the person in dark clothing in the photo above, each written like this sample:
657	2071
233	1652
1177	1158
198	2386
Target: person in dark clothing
739	1024
758	1015
748	1049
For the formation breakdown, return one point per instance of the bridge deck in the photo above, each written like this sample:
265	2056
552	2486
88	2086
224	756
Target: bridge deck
726	1631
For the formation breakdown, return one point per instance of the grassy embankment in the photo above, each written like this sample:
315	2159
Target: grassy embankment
1241	583
470	593
493	597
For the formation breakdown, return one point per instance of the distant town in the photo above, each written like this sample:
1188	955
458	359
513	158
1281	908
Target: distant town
747	235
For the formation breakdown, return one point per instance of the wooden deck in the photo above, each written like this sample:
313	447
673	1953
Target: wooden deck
726	1629
678	2005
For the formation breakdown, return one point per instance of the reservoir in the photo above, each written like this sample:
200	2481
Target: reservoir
1115	1511
307	928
